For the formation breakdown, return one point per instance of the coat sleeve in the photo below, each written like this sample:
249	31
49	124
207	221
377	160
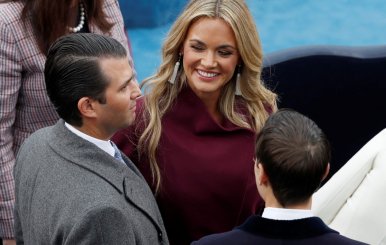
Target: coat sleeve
10	82
18	231
101	225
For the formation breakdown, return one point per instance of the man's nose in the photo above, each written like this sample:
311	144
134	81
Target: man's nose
136	91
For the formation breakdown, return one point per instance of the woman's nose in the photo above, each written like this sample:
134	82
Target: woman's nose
209	60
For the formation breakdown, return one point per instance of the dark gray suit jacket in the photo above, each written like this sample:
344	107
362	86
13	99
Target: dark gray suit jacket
69	191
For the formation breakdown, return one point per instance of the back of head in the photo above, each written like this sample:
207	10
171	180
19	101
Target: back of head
72	71
295	154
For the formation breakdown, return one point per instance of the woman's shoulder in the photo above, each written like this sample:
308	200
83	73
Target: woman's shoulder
10	12
111	7
269	108
12	26
266	106
109	2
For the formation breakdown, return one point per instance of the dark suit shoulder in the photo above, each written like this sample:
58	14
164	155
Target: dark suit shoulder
234	237
237	237
39	136
258	230
338	240
35	145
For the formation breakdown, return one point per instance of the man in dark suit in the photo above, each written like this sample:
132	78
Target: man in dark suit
73	186
292	159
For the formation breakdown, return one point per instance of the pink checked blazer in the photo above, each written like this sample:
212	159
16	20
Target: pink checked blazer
24	105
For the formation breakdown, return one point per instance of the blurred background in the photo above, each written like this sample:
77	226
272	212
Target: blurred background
282	24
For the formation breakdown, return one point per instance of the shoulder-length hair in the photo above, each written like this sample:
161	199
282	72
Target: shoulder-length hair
50	18
255	96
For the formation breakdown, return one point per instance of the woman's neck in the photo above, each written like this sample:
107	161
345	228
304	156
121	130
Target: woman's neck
211	105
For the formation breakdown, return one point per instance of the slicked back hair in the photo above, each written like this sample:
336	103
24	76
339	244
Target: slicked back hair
294	153
72	71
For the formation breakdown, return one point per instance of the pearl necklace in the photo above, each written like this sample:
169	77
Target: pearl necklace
81	22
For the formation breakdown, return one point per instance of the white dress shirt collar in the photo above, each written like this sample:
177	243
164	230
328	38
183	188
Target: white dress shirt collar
105	145
286	214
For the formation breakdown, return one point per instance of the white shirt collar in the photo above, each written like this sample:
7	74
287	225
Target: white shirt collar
105	145
286	214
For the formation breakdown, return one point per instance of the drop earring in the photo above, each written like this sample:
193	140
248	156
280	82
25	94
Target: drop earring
172	79
237	89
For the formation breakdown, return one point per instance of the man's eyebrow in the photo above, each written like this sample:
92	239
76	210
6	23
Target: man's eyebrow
127	82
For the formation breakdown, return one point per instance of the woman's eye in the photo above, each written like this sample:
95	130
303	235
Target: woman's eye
225	53
196	47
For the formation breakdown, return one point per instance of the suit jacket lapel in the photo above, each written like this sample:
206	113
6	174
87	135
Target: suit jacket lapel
126	179
131	165
134	192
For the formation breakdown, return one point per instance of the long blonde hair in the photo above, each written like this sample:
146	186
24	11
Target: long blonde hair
255	96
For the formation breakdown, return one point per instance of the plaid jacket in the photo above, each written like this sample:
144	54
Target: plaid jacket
24	104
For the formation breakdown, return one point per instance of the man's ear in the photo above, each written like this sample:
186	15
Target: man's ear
86	107
261	176
326	172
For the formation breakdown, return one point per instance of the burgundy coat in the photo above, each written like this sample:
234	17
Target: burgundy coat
208	183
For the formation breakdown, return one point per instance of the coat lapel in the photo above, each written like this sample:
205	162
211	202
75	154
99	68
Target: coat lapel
126	179
135	193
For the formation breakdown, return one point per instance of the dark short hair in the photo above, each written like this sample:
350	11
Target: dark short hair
294	153
72	71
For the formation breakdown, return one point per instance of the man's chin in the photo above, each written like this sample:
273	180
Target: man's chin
128	122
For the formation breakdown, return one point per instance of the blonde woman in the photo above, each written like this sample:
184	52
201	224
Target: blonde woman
194	135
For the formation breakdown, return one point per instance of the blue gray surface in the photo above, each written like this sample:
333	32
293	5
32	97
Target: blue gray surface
150	13
281	23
